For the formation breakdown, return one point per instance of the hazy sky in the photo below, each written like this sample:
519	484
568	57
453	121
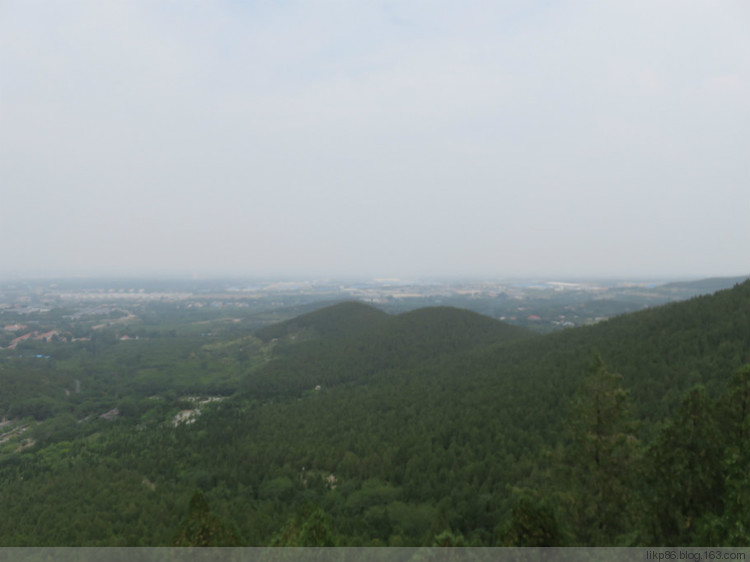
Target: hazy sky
377	138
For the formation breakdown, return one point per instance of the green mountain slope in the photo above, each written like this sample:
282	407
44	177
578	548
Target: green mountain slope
707	285
660	352
355	351
438	420
342	319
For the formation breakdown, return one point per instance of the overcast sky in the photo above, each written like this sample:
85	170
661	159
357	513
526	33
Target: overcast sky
375	138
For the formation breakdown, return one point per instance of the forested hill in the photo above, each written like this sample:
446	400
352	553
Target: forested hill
660	352
350	426
341	319
352	319
351	342
708	285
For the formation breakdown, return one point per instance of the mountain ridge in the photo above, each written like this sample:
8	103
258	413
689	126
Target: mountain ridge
646	346
433	424
339	319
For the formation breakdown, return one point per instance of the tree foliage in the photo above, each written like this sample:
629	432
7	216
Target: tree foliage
202	528
601	458
408	430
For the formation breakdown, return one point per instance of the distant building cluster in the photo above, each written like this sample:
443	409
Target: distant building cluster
36	336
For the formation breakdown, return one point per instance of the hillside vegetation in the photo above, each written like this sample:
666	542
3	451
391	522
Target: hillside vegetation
350	426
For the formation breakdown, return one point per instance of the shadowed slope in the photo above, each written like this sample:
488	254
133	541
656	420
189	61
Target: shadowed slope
360	341
343	319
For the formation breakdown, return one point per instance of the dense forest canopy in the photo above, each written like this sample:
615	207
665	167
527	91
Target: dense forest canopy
349	426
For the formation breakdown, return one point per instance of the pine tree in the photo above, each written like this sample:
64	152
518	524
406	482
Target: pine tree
732	526
309	528
448	539
685	474
600	459
202	528
533	523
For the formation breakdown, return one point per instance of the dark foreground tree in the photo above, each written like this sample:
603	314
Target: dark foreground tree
533	523
685	474
309	528
600	460
203	528
731	525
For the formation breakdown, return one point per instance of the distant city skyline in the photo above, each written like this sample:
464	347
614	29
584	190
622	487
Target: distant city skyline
375	139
